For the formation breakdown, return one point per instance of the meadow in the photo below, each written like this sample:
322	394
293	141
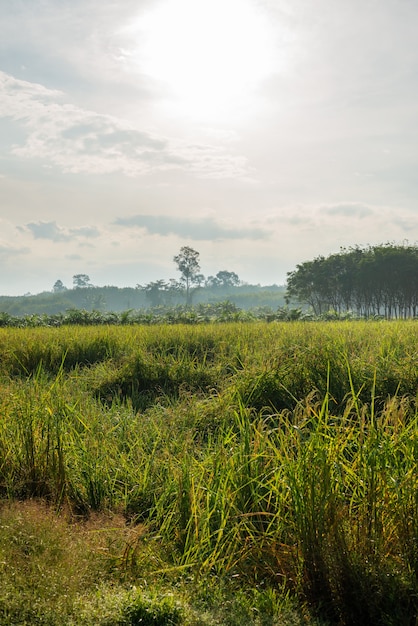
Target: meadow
258	473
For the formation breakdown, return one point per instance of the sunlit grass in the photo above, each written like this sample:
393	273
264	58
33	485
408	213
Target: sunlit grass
278	458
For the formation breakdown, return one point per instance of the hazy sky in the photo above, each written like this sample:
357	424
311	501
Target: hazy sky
260	132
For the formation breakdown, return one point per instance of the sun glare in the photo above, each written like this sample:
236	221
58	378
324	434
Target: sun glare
207	55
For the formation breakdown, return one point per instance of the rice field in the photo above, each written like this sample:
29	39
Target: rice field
215	474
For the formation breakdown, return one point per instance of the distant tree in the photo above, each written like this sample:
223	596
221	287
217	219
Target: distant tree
223	279
81	280
59	287
174	288
376	280
173	285
187	262
160	292
211	281
228	279
95	299
155	292
199	280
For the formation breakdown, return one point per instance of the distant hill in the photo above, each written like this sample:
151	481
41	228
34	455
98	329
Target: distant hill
118	299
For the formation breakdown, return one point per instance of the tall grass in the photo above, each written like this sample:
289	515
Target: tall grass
274	454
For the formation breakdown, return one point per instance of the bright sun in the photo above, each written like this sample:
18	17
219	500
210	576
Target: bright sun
207	55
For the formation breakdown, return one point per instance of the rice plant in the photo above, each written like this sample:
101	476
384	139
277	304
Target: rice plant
276	456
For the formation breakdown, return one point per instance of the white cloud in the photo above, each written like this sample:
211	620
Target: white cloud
346	223
81	141
7	252
53	232
350	209
205	228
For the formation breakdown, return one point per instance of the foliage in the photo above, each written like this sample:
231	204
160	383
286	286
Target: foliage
161	292
81	280
59	287
61	572
223	279
373	281
118	300
187	262
222	311
277	461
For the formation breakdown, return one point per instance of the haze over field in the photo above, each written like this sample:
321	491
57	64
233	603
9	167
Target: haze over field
260	132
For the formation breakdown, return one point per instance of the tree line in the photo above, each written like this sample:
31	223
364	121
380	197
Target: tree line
368	281
162	292
356	282
191	290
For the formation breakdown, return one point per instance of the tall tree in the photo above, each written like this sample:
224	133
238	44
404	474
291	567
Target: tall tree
81	280
223	279
379	280
155	292
59	287
187	262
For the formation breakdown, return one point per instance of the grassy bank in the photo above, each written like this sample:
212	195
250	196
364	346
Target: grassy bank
217	474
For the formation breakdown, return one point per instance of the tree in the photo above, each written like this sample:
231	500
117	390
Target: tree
59	287
155	292
187	262
224	279
377	280
81	280
228	279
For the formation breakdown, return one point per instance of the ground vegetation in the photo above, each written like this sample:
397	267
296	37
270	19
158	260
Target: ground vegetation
207	474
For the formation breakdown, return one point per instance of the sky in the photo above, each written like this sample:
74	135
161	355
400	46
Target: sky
262	133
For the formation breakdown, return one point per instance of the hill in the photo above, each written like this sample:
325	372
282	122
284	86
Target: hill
111	298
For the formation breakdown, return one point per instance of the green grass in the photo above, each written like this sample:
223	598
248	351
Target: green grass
258	473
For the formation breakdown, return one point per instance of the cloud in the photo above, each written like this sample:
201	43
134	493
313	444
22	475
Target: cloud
74	257
206	228
85	231
9	251
354	221
53	232
349	209
80	141
100	133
